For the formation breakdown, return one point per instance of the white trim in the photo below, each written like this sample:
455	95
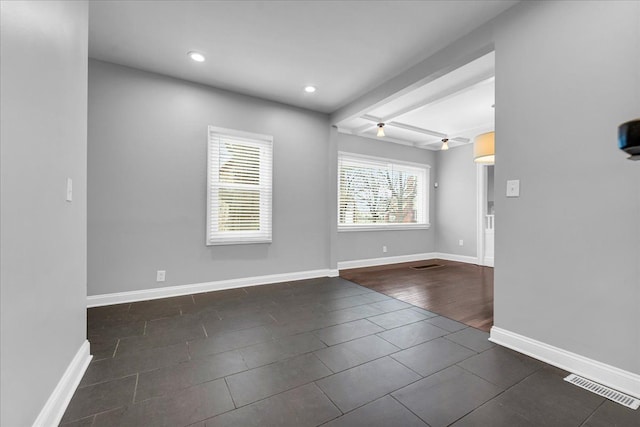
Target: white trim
213	235
56	405
616	378
481	193
386	160
422	170
372	262
488	261
172	291
382	227
358	263
459	258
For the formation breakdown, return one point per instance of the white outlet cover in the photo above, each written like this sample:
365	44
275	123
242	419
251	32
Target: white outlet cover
160	276
513	188
69	197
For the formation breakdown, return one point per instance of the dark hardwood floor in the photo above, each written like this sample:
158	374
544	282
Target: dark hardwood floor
459	291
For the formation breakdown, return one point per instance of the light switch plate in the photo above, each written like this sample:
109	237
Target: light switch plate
513	188
69	190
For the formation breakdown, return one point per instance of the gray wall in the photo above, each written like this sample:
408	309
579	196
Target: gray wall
456	201
568	249
43	246
355	245
147	182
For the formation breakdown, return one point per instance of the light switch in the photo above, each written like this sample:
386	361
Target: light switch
69	190
513	188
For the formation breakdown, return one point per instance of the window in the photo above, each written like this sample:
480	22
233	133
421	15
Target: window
239	187
375	193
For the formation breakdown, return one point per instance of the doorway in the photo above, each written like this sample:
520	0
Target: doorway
485	228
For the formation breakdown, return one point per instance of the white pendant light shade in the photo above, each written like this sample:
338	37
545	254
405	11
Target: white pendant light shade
380	133
484	150
445	144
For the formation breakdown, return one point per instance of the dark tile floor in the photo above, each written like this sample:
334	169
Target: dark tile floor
314	352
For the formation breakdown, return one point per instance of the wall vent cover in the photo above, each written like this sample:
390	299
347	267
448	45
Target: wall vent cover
427	266
603	391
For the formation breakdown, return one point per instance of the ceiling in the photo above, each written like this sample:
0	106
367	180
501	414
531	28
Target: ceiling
457	106
272	49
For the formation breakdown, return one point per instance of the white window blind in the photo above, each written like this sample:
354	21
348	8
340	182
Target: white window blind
239	187
376	193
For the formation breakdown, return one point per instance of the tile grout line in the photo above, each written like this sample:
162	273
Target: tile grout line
409	409
323	364
594	411
330	400
490	382
417	373
230	394
462	345
497	395
135	389
115	349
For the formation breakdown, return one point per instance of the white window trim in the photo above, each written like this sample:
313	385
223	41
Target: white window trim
239	237
346	228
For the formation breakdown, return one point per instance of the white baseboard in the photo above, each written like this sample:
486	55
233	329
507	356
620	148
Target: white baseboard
53	410
488	261
458	258
334	272
371	262
616	378
172	291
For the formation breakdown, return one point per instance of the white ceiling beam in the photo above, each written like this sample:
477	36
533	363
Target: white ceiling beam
456	90
398	125
376	138
468	48
368	126
416	129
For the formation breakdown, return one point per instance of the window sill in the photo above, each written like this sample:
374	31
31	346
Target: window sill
382	227
237	242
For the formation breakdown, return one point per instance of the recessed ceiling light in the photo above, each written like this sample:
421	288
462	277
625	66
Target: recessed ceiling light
310	89
196	56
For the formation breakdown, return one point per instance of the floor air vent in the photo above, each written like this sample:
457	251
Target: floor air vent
603	391
427	266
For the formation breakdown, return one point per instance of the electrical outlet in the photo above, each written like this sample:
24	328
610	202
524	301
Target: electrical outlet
461	242
160	275
384	249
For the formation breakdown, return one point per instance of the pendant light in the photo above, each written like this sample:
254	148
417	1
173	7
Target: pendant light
380	133
445	144
484	150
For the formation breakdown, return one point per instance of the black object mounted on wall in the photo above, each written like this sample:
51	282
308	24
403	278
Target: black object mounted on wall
629	138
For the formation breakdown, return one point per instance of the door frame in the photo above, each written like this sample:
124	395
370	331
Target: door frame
481	211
